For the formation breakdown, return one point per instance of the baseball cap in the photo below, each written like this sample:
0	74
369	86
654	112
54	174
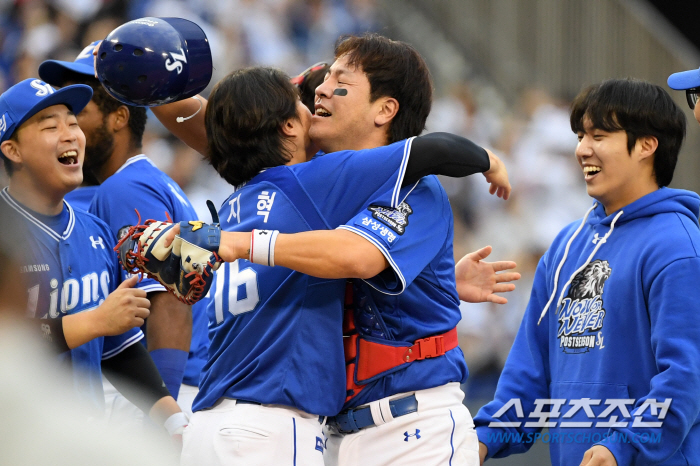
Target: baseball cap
56	72
684	80
26	98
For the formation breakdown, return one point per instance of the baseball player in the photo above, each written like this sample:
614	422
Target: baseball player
608	352
276	346
246	298
403	401
70	268
131	181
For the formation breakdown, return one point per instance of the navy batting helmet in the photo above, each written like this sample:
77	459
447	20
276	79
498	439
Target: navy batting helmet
154	61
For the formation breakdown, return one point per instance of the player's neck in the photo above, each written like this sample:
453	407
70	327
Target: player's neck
36	198
115	162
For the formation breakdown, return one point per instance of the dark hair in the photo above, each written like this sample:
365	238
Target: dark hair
244	119
307	89
638	108
108	104
394	69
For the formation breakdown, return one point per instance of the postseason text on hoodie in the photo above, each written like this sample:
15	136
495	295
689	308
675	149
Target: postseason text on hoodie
619	301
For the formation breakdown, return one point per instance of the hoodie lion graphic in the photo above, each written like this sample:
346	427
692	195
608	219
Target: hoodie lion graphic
581	312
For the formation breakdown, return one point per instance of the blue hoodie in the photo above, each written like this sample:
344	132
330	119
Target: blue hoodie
619	301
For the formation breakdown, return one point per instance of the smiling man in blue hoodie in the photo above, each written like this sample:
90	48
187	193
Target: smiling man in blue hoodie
608	353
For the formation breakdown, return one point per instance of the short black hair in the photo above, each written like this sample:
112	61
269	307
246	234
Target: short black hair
244	119
108	104
640	109
394	69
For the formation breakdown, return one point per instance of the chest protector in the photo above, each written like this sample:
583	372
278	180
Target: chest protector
371	352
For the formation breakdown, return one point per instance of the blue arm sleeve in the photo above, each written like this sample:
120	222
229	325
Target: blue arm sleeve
675	339
525	378
409	235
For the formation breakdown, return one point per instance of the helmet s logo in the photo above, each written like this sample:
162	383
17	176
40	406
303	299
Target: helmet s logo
176	63
42	88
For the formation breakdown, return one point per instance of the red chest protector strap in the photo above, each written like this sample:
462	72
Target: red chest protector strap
374	358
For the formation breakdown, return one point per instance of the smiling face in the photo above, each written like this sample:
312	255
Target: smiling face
345	122
48	152
615	176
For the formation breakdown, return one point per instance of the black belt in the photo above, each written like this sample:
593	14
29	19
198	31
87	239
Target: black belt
247	402
354	419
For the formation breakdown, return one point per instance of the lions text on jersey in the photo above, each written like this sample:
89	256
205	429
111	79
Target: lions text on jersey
70	267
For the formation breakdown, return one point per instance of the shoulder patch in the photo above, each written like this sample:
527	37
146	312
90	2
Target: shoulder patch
394	218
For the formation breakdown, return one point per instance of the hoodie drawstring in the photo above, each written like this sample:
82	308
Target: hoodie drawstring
566	252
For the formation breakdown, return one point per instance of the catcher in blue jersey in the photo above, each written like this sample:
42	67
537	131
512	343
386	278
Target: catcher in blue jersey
69	267
176	333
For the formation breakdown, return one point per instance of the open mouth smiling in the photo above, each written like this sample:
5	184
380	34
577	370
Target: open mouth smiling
69	157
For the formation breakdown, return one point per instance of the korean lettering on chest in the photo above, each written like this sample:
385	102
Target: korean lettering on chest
67	277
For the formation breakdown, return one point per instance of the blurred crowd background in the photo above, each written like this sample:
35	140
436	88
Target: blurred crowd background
504	71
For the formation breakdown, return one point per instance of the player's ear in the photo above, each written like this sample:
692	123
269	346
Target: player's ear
289	127
10	149
387	108
119	118
647	146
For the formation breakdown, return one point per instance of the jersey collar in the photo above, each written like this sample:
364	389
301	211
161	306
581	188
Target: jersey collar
5	195
135	159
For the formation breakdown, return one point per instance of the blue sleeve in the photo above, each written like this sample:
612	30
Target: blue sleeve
409	235
115	202
341	183
675	340
525	378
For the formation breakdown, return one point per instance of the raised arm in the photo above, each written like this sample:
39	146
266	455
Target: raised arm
185	119
450	155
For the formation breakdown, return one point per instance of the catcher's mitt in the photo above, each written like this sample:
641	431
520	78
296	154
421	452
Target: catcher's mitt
186	267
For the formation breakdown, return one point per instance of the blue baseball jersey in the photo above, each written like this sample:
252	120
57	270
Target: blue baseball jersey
81	198
70	267
140	185
276	334
416	297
